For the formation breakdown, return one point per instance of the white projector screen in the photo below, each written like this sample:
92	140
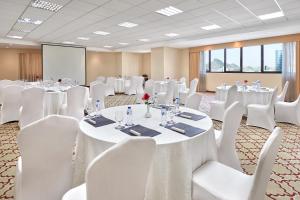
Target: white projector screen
63	62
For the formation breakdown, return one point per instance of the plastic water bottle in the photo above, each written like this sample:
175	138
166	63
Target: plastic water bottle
155	99
129	117
177	104
163	121
98	107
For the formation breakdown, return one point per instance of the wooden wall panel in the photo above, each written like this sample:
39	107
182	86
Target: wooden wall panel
194	66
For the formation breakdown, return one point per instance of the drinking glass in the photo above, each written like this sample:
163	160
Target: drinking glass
172	113
163	117
119	116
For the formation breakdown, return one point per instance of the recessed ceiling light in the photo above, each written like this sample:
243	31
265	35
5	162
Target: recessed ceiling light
271	15
46	5
211	27
128	24
107	46
101	33
83	38
169	11
144	40
30	21
123	43
68	42
171	34
14	36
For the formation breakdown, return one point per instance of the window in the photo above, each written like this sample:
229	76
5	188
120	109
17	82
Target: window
217	60
206	60
249	59
233	60
252	59
273	57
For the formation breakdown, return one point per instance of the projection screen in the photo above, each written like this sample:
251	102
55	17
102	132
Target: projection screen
64	62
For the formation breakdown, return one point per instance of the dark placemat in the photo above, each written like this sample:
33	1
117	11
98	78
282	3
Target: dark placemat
193	116
144	131
190	131
167	107
99	121
50	91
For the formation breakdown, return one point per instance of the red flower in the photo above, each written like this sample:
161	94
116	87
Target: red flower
245	81
146	97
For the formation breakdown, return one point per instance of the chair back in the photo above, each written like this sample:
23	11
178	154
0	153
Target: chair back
273	100
139	85
170	91
3	83
282	95
111	81
149	86
265	164
121	172
66	81
32	106
46	148
193	101
226	144
101	79
11	103
76	101
98	94
193	86
133	85
231	96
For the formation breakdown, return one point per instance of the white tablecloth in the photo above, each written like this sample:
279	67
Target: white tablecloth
176	158
247	96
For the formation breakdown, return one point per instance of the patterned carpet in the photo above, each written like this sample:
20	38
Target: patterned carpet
284	182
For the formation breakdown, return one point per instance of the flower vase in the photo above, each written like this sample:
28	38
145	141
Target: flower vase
148	114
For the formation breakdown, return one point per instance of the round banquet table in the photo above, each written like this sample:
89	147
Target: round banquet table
247	96
177	155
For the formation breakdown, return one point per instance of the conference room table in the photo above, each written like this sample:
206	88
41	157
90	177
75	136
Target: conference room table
247	95
177	155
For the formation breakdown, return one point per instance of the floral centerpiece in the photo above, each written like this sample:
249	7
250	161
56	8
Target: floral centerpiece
146	99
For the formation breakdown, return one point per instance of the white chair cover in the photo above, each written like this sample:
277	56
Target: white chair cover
193	88
193	101
282	95
76	102
32	106
226	138
288	112
131	89
44	169
92	84
110	86
183	80
139	86
214	180
167	98
149	87
101	79
262	115
3	83
98	94
11	104
66	81
119	173
217	108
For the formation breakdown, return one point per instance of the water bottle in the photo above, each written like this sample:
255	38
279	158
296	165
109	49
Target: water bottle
129	117
155	99
177	104
163	121
98	107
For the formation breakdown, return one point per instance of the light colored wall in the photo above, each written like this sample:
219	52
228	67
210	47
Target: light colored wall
146	64
157	63
268	80
132	64
9	62
102	64
172	62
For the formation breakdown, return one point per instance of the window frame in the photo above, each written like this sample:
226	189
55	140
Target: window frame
241	63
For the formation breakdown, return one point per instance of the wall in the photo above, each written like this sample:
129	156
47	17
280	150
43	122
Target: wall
268	80
157	63
146	64
9	62
131	64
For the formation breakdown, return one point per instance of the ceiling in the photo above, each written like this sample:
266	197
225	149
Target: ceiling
80	18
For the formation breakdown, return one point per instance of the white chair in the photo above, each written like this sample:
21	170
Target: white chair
11	104
3	83
288	112
131	89
66	81
167	97
226	137
45	169
120	173
98	94
76	102
149	87
32	106
193	88
139	89
217	108
215	181
110	86
282	95
92	84
101	79
193	101
262	115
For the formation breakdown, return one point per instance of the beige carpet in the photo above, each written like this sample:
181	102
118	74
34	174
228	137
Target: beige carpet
284	182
